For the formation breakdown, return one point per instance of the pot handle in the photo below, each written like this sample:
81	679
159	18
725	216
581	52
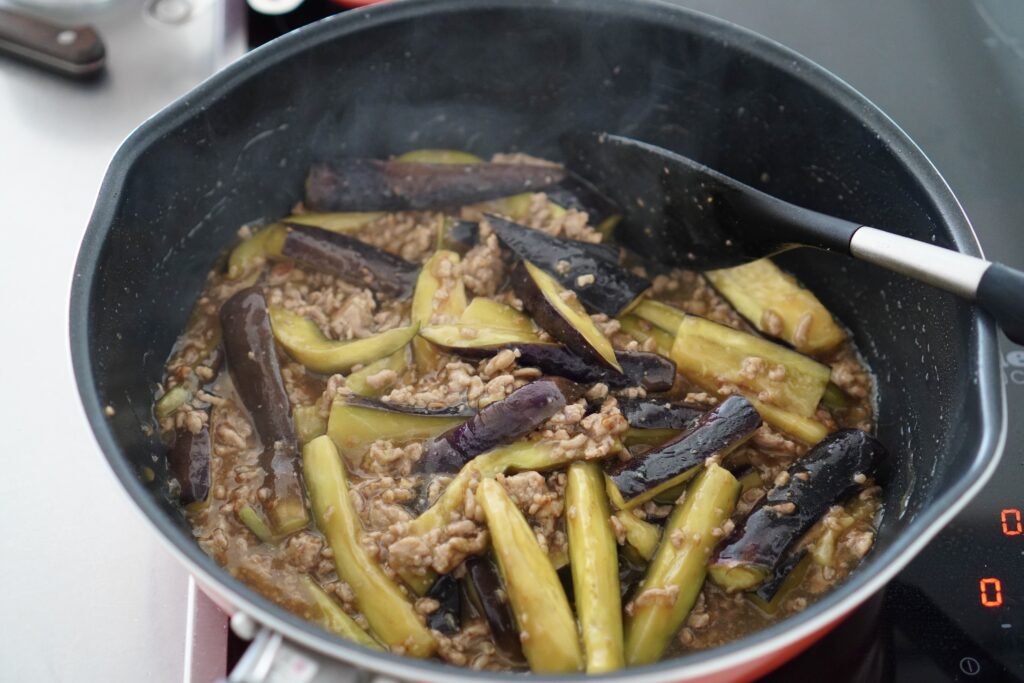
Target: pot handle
270	658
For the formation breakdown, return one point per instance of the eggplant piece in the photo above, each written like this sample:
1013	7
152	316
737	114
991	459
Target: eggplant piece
304	342
648	370
521	412
558	312
522	455
375	185
488	313
344	222
189	463
252	253
357	421
642	330
788	574
358	381
309	424
576	193
805	429
835	398
252	362
823	477
471	341
651	625
641	535
331	617
428	307
460	236
588	269
649	437
257	524
173	398
776	304
594	563
547	628
648	413
439	156
664	317
351	260
447	618
483	588
381	601
718	432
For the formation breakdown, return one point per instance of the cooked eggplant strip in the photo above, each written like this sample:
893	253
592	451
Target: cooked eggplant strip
304	342
189	463
470	341
331	617
487	313
749	478
558	312
547	629
521	412
447	618
786	576
648	370
253	252
642	330
717	432
252	362
649	437
375	185
593	558
483	588
776	304
835	398
390	615
460	236
309	424
357	421
523	455
345	222
358	381
803	429
664	317
590	270
173	398
439	156
649	413
426	305
642	536
576	193
351	260
826	475
679	569
257	524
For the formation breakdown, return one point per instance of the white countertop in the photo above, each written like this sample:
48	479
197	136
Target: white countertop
88	593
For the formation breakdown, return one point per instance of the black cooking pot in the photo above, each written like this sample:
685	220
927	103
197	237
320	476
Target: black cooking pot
502	75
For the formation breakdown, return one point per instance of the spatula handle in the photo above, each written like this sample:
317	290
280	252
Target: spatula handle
995	287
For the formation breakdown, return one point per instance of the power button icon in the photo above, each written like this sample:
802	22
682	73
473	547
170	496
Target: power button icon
970	666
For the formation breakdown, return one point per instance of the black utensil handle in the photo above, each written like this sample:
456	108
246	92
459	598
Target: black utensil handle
995	287
71	50
1001	293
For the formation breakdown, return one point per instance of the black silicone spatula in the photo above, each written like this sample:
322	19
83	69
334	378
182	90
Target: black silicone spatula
684	212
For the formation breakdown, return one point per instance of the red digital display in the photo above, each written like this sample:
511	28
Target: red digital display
991	592
1011	521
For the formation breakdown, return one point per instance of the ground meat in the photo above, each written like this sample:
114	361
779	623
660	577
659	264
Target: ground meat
482	267
440	550
471	646
411	235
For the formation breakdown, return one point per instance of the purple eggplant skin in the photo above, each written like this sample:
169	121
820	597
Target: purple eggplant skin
498	423
609	289
189	460
767	590
447	618
252	362
731	422
822	478
462	236
650	413
648	370
576	193
484	589
376	185
351	260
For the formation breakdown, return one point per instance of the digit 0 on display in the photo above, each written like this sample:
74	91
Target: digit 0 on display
1010	518
991	592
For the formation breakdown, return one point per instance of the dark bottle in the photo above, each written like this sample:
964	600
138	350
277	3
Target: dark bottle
268	19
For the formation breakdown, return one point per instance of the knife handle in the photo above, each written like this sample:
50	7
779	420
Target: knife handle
70	50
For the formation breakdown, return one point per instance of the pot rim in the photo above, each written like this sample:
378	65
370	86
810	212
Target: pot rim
745	652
